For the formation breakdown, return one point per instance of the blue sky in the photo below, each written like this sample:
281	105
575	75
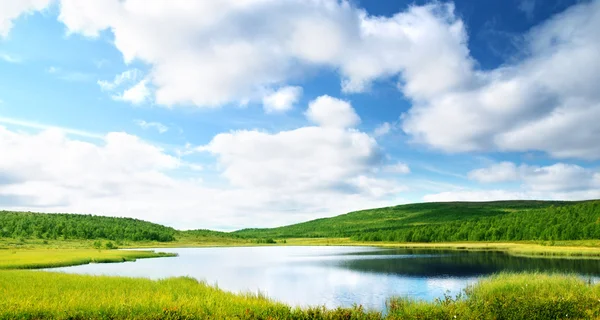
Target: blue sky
231	114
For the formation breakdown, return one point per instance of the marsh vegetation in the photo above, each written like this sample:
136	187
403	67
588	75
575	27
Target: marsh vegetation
41	295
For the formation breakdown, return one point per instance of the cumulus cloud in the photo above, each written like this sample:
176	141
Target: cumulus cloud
210	54
327	111
270	178
10	10
330	156
282	100
523	106
50	169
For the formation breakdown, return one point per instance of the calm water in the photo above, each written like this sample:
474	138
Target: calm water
335	276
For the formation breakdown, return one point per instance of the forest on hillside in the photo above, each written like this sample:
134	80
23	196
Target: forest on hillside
572	222
399	218
422	222
75	226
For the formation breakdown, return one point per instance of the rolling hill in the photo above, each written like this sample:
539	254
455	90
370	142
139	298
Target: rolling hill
79	226
420	222
453	221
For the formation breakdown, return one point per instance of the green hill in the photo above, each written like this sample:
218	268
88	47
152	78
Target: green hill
76	226
454	221
421	222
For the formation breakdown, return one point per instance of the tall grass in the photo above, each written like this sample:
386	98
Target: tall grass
46	295
510	296
51	258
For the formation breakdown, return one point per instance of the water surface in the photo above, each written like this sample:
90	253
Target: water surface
336	276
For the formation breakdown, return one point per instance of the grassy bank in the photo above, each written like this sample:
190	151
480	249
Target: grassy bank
45	295
562	249
50	258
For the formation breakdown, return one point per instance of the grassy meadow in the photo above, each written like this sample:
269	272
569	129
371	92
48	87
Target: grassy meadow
52	258
46	295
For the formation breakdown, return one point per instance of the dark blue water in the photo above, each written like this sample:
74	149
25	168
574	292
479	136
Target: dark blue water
336	276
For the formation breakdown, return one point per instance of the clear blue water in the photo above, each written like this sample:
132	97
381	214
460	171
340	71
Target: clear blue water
335	276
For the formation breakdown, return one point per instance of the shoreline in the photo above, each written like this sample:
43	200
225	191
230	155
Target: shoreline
565	249
18	259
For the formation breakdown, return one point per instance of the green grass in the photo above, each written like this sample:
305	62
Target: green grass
511	296
51	258
46	295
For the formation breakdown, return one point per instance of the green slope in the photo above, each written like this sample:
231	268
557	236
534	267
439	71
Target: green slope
453	221
421	222
78	226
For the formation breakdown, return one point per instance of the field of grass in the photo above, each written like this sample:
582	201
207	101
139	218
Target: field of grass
46	295
50	258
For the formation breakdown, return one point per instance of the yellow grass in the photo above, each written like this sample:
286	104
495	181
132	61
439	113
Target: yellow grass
574	249
48	258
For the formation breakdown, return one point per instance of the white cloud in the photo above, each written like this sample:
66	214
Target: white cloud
137	94
528	105
495	195
327	111
127	76
271	179
478	195
161	128
282	100
11	10
559	181
210	54
62	166
499	172
558	177
382	129
399	167
301	159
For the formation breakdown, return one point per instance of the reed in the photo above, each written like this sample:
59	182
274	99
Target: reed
48	295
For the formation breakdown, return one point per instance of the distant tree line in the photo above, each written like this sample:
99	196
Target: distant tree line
573	222
75	226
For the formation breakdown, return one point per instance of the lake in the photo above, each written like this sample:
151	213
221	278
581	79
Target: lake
336	276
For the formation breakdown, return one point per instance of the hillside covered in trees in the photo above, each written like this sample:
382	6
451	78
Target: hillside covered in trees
421	222
454	221
75	226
